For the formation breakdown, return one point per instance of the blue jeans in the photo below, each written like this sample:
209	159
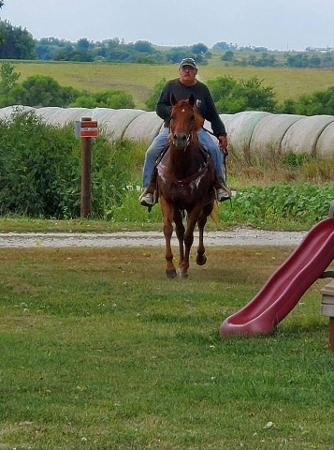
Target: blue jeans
160	142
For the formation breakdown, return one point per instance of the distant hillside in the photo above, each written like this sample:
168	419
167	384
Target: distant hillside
139	79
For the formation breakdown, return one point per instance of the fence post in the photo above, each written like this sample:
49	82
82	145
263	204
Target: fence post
88	130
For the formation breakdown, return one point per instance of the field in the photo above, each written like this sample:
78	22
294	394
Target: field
100	351
138	79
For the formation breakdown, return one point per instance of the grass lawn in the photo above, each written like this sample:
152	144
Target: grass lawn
100	351
139	79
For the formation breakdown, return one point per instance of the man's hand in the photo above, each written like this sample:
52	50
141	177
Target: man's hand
223	143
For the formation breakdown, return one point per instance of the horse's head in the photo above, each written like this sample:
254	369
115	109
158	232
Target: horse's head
185	121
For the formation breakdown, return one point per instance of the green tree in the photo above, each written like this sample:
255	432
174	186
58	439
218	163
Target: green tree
8	83
228	56
114	99
321	102
40	90
16	43
144	46
232	96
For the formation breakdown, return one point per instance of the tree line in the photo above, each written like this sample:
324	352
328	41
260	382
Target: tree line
18	43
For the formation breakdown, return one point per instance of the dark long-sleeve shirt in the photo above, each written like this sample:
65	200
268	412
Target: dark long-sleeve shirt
203	101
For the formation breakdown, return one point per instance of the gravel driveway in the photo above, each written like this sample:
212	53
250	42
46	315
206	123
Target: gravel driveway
239	236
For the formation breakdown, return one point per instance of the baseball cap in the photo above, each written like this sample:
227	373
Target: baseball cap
188	62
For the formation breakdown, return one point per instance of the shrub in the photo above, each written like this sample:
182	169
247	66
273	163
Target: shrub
40	170
321	102
301	203
114	99
40	90
232	96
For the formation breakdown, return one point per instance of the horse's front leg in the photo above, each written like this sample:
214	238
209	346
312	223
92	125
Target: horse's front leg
179	228
188	241
167	213
201	222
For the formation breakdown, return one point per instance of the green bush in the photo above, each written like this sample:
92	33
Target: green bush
114	99
321	102
302	203
232	96
40	170
40	90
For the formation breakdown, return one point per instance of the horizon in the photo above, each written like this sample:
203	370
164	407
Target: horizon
308	23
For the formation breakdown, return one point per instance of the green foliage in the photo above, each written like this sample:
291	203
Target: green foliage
265	60
41	90
40	170
303	203
152	100
310	60
15	43
114	99
8	79
320	102
232	96
198	51
228	56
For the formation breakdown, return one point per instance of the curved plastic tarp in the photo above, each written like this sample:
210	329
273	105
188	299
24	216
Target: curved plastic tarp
119	122
249	132
269	132
8	111
302	136
285	287
325	145
144	127
240	130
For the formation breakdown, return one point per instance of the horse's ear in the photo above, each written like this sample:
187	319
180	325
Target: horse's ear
191	100
172	100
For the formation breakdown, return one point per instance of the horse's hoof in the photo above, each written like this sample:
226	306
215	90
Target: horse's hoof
183	274
171	273
201	260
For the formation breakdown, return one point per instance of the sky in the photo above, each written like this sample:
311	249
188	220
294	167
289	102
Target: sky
275	24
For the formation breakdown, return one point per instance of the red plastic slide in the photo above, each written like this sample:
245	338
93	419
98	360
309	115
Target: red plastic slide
286	286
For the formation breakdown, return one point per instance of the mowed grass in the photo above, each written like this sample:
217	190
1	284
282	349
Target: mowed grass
100	351
139	79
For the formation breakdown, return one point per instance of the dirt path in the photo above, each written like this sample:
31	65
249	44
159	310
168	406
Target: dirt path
239	236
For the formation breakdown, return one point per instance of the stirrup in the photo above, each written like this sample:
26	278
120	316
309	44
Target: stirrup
147	199
223	194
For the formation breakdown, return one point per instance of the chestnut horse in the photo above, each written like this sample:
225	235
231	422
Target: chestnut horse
185	180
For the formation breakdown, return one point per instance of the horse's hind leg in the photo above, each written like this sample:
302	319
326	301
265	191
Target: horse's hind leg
188	242
167	212
179	228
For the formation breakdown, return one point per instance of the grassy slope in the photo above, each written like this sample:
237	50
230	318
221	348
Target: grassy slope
138	79
100	350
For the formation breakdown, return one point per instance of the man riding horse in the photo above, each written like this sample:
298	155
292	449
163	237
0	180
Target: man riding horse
181	88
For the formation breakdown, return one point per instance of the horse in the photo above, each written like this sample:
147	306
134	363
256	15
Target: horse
185	184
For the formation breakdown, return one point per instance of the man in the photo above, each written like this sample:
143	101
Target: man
183	87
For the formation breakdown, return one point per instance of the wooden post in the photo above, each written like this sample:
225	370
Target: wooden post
327	309
88	130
